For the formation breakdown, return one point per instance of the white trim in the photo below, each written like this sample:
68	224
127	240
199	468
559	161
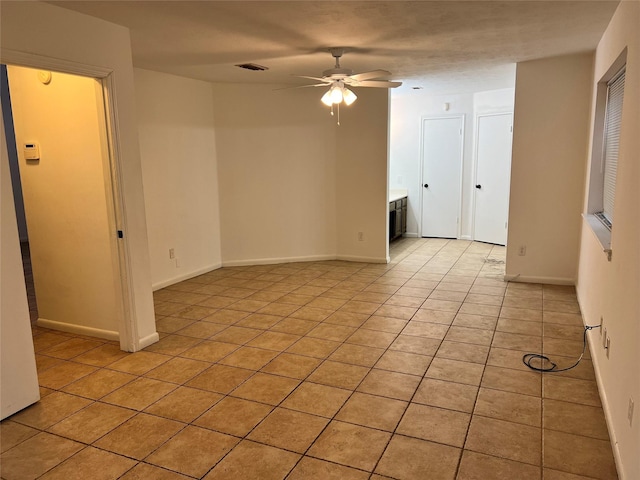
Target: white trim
78	329
353	258
275	261
466	237
185	276
600	232
268	261
388	174
50	63
148	340
128	326
548	280
410	235
604	400
309	258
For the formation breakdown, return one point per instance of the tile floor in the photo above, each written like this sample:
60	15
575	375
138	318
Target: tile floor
326	370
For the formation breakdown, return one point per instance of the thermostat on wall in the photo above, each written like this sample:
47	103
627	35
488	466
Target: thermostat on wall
31	151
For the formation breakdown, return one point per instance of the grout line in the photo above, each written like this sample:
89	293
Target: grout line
402	269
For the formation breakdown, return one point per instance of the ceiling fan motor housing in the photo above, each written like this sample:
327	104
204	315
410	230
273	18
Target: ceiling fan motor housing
337	73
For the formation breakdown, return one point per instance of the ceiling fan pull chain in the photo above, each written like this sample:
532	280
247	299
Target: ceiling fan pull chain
338	114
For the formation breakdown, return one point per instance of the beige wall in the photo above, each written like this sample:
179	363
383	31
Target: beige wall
71	238
361	173
37	34
18	377
179	166
276	166
611	290
295	186
550	137
286	175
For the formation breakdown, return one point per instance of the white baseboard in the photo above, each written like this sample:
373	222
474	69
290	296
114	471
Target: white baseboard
353	258
548	280
148	340
410	234
310	258
604	400
465	237
78	329
274	261
265	261
607	413
185	276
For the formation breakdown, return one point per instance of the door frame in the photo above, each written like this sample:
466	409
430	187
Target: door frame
476	143
462	118
127	326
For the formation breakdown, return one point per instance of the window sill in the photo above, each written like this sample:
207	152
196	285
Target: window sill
601	232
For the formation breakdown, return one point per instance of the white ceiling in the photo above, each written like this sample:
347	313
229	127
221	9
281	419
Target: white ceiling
439	45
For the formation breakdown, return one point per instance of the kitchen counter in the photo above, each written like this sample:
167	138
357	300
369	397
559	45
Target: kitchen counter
397	194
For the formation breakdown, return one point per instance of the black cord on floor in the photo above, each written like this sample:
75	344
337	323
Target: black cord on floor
527	358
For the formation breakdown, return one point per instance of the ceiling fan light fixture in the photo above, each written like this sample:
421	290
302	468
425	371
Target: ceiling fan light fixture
348	96
326	98
336	94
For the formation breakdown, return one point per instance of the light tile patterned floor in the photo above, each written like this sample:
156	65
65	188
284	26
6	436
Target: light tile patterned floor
326	370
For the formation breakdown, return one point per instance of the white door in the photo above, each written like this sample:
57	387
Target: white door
493	173
441	176
18	374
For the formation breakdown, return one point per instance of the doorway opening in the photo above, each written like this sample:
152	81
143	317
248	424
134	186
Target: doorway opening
62	178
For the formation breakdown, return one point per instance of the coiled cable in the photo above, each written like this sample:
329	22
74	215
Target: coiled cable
527	358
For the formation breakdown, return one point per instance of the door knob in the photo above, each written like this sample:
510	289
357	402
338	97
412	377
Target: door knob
426	185
478	186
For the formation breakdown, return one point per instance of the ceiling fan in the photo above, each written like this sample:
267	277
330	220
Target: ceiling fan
339	78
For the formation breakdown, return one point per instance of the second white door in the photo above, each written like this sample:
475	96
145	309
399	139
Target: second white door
441	176
493	173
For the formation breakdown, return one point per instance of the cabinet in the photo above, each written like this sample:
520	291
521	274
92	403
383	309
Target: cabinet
397	218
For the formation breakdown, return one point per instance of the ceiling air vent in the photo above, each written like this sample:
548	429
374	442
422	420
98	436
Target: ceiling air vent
252	66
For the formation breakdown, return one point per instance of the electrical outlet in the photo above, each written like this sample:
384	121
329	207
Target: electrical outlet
172	254
522	251
630	412
360	236
608	346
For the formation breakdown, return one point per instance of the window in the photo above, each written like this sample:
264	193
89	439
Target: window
610	143
604	152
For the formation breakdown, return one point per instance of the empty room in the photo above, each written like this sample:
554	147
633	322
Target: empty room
320	240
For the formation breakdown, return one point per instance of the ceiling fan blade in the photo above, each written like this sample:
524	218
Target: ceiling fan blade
319	79
372	74
303	86
377	84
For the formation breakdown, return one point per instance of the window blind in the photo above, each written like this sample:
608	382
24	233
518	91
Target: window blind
613	120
